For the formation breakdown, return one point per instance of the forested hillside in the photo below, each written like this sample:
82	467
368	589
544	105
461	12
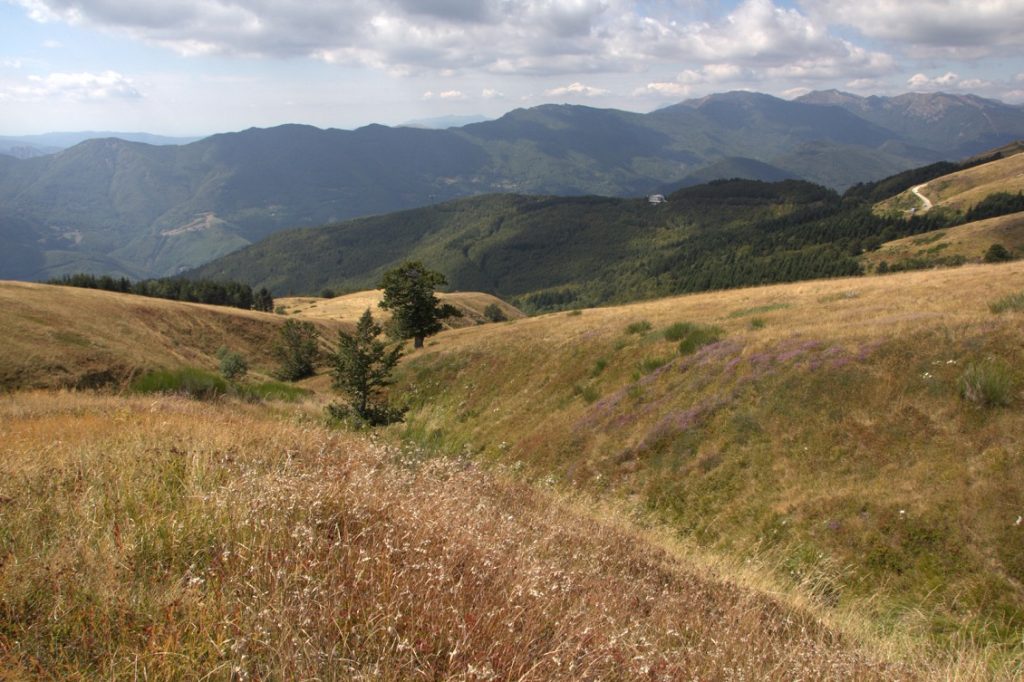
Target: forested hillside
556	252
108	206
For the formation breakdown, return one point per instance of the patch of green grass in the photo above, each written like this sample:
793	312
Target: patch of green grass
273	390
756	323
1010	303
599	366
988	383
200	384
641	327
588	393
190	381
757	310
698	337
678	331
648	365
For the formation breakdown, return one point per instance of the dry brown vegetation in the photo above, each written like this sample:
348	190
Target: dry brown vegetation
350	306
171	539
827	435
70	337
823	451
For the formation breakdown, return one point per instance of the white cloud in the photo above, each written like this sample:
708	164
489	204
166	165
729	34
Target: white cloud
664	89
576	89
491	93
81	87
451	94
455	36
970	27
948	81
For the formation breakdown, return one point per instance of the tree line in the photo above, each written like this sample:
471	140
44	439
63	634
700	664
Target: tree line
233	294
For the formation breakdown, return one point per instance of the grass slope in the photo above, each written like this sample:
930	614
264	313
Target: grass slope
969	241
962	190
69	337
173	539
350	306
824	434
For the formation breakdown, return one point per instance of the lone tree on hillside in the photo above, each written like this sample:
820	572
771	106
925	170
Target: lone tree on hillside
361	366
409	295
296	350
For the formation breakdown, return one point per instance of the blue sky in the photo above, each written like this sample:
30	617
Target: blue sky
184	67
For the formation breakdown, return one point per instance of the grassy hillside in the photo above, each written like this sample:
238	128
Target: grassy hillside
967	242
172	539
851	446
350	306
545	253
962	190
69	337
861	436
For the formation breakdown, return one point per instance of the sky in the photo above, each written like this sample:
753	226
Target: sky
196	67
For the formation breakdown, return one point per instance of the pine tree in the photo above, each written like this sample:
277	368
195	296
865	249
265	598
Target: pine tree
362	365
296	350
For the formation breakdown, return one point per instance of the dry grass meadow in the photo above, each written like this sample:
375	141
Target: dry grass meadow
960	191
171	539
821	488
350	306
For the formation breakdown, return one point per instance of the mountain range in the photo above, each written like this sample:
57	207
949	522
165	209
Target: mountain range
111	206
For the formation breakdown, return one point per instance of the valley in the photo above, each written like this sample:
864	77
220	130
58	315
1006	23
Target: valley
811	471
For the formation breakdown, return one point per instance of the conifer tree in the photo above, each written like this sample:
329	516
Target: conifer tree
362	365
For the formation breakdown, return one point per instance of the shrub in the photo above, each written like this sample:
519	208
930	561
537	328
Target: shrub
997	253
232	365
1011	302
638	327
328	293
699	336
494	313
987	384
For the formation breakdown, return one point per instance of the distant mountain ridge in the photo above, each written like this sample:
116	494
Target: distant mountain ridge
110	206
30	146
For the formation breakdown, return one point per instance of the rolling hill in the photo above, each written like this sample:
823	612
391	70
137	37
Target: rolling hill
65	337
558	252
843	445
123	208
349	307
830	429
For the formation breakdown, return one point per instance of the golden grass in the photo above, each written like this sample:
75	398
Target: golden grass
960	191
169	539
970	241
66	336
350	306
828	440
